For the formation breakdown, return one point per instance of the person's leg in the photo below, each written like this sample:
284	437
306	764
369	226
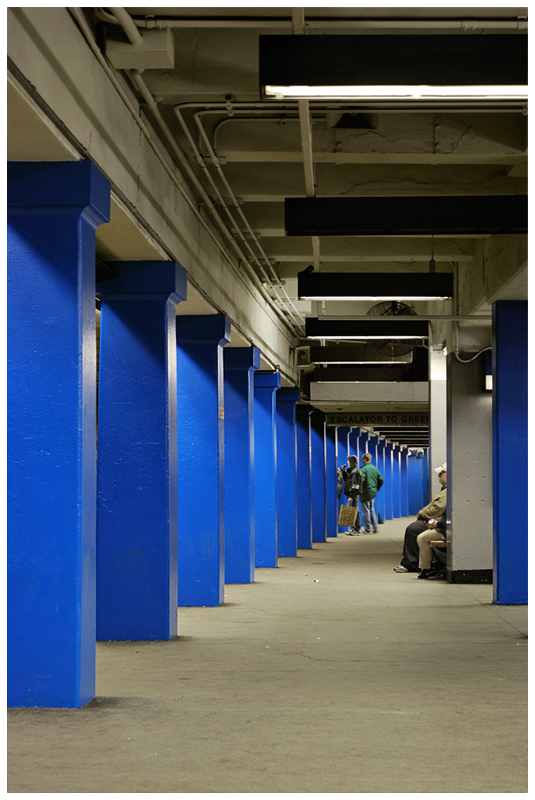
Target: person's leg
410	545
365	505
424	544
373	515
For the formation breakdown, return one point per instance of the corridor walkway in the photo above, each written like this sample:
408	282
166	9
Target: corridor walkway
331	673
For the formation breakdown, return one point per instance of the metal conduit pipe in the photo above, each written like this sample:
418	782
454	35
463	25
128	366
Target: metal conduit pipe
127	24
78	15
217	165
519	24
278	287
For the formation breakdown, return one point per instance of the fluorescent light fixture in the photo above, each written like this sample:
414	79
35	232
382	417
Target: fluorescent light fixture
374	297
430	93
420	68
377	328
488	383
390	286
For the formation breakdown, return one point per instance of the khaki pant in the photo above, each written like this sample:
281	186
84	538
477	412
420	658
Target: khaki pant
426	551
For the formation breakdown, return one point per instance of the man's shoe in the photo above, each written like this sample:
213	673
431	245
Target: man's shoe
400	568
426	573
376	530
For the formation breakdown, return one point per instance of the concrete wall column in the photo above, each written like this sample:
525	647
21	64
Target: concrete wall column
240	364
304	507
510	451
53	211
265	431
469	472
317	474
137	452
287	472
201	487
437	410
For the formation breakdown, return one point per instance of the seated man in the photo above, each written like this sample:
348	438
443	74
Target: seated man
436	528
433	510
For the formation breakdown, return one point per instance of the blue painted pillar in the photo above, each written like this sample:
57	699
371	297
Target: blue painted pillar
342	442
404	483
137	459
53	211
287	472
317	474
265	431
425	477
331	490
362	443
240	364
380	450
304	508
412	479
388	484
421	494
201	484
396	487
354	442
510	451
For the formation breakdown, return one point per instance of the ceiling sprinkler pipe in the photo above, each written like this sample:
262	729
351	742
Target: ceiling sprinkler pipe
127	24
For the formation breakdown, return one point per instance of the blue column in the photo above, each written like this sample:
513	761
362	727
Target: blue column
412	479
510	451
362	444
201	485
304	509
137	459
388	487
354	442
425	477
53	211
342	442
396	489
421	494
331	490
317	474
287	472
377	448
240	364
404	484
265	430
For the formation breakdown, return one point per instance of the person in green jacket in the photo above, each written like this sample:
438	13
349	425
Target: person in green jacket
372	480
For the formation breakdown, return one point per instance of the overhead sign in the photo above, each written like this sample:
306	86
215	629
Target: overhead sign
378	418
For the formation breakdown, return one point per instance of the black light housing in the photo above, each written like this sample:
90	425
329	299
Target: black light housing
374	285
376	328
415	67
403	216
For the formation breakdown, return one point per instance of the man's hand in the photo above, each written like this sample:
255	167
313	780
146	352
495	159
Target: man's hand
349	501
432	524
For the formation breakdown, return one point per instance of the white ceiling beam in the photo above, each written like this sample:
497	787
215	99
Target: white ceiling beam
286	156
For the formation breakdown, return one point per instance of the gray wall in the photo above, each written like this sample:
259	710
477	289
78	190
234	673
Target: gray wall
469	466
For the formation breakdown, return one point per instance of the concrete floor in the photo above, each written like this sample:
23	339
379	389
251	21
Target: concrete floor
331	673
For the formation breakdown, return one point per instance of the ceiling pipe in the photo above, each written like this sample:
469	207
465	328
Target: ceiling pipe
467	25
87	33
127	24
236	205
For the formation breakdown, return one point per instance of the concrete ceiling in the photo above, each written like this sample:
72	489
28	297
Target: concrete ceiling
249	155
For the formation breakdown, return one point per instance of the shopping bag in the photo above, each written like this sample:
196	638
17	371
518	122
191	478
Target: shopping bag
348	516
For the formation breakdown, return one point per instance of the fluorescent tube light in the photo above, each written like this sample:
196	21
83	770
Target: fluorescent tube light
519	93
374	298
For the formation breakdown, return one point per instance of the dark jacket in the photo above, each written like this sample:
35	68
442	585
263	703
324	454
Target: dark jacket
372	480
352	479
340	479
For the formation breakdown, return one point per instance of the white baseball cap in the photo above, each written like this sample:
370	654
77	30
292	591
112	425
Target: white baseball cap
442	468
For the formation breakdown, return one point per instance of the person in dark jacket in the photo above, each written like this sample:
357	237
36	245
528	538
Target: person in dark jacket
352	484
372	480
